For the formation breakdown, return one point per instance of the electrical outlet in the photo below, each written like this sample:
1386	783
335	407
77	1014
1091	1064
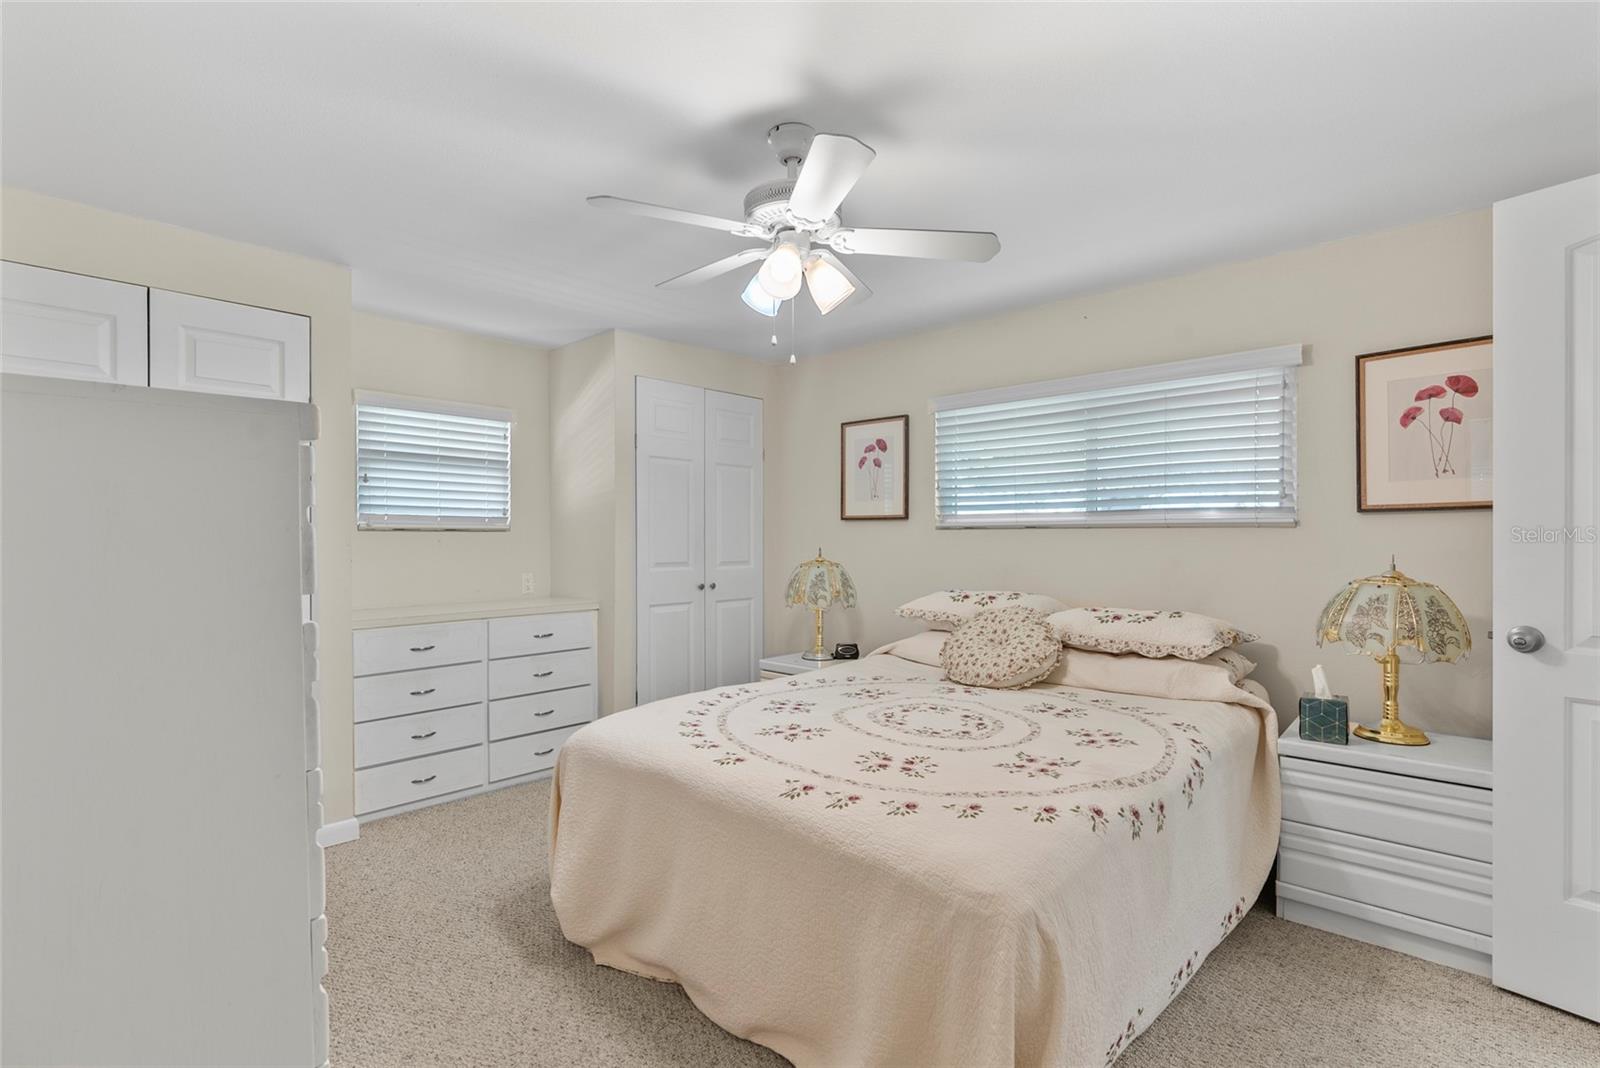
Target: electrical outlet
527	583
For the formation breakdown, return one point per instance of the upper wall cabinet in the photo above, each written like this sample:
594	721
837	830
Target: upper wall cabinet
72	326
213	346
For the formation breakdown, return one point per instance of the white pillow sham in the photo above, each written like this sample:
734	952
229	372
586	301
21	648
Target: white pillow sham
1187	635
947	609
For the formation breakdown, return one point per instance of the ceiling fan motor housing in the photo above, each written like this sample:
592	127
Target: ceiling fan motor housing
767	206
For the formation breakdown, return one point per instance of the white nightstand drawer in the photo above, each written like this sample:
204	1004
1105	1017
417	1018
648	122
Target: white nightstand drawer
528	754
385	740
428	645
538	674
521	635
1438	816
412	780
379	696
1446	889
511	716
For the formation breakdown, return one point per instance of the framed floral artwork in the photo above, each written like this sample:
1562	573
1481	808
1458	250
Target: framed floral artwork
873	466
1424	439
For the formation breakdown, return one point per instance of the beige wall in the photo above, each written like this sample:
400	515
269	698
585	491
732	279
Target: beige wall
412	567
592	391
74	237
1424	283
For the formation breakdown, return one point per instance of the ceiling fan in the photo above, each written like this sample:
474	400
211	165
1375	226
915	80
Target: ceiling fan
797	218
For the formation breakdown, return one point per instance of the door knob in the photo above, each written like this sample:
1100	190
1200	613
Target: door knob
713	585
701	586
1525	639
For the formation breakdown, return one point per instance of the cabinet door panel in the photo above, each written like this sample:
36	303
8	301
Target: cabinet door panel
66	325
213	346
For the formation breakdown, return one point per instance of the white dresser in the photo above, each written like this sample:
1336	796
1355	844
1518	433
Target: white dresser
446	707
1390	844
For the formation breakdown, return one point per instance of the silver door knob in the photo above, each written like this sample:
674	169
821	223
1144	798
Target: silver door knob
713	585
701	586
1525	639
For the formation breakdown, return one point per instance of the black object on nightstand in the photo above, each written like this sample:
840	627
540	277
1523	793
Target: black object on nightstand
846	651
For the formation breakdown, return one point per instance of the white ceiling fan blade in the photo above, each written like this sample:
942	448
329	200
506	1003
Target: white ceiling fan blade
919	244
834	163
861	290
712	270
678	215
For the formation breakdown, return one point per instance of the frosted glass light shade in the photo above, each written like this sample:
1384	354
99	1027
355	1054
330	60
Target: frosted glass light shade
759	299
781	272
828	285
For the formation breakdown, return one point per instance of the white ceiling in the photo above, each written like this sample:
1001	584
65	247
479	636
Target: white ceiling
444	152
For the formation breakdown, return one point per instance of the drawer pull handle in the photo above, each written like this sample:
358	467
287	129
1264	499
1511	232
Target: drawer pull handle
546	634
420	737
420	648
423	693
546	712
430	778
544	674
545	752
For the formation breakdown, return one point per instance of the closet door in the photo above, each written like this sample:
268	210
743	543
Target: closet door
214	346
66	325
733	538
669	488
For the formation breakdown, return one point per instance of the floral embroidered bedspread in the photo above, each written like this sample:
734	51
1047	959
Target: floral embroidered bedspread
869	865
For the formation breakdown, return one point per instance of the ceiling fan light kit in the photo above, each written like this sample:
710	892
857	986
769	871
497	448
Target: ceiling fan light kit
798	218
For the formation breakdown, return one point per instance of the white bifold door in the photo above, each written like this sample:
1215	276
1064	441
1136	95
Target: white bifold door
1547	596
698	507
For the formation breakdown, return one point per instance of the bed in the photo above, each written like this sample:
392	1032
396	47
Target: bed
870	865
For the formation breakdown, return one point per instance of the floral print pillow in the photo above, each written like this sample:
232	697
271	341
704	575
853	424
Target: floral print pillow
1186	635
1002	649
948	609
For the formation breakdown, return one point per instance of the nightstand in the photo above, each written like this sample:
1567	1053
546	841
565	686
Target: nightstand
1390	844
774	667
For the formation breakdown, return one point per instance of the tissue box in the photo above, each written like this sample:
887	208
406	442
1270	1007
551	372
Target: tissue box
1325	719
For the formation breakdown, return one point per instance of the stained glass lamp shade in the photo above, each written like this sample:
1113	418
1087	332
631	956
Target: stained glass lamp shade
818	584
1393	617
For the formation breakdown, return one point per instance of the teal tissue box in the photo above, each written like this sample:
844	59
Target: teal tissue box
1325	719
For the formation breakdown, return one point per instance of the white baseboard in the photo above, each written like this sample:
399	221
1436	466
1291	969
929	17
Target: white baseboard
331	834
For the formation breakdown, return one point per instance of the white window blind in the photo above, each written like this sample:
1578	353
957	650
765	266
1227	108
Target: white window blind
436	465
1197	442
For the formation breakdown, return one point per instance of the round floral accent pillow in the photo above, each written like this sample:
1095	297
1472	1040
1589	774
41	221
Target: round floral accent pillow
1003	649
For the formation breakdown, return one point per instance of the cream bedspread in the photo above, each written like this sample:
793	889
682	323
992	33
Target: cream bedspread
867	865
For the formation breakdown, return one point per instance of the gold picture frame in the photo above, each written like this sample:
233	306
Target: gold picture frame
1424	427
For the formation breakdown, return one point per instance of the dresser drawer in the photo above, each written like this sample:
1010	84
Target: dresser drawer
413	780
511	716
1446	889
402	692
525	755
538	674
383	740
1437	816
428	645
521	635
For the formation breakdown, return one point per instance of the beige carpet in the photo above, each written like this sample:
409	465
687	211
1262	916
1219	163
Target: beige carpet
445	951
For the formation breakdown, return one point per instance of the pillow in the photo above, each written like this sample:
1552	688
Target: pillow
1131	630
948	608
1003	649
1216	678
923	647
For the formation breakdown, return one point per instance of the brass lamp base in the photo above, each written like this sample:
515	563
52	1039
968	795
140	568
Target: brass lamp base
818	651
1391	731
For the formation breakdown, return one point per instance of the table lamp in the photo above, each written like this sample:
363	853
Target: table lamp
816	584
1389	617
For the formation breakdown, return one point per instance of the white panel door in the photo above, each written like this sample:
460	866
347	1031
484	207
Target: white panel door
73	326
669	487
1547	577
733	538
214	346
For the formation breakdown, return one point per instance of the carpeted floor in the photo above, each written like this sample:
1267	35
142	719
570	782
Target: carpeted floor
445	951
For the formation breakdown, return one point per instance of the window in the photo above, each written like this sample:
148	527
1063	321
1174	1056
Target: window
1198	442
432	465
